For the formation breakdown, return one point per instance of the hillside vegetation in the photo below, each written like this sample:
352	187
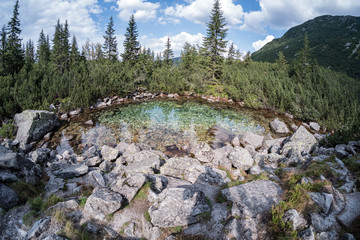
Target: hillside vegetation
334	42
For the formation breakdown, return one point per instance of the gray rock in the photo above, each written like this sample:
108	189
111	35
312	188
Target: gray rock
308	234
255	170
314	126
55	237
71	170
327	235
279	127
122	147
324	200
235	141
9	160
109	153
348	187
220	157
351	210
132	148
102	202
347	236
297	220
33	125
89	122
178	207
94	161
8	197
269	160
341	153
350	150
256	197
129	186
54	185
38	228
91	152
273	142
300	142
106	166
67	206
322	223
147	161
40	155
96	175
241	158
250	138
294	127
203	152
7	177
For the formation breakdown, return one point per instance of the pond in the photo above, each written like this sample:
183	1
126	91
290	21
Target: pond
162	124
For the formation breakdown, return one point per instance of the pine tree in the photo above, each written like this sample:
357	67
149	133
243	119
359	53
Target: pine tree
168	53
110	45
14	55
29	52
75	53
231	54
2	49
60	54
43	49
214	43
131	44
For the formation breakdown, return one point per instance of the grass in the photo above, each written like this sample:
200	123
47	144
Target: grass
248	178
82	201
51	201
206	216
220	198
142	194
26	191
8	130
109	217
147	216
30	217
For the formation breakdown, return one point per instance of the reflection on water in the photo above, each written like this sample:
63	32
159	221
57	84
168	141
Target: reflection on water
159	124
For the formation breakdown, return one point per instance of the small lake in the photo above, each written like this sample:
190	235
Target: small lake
161	124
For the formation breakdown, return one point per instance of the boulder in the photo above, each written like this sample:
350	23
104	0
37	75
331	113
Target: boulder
351	210
308	234
256	197
279	127
203	152
40	155
147	161
299	143
94	161
314	126
9	160
241	158
323	223
109	153
297	220
8	197
235	141
102	202
129	186
38	228
7	177
33	125
178	207
66	171
324	200
54	185
250	138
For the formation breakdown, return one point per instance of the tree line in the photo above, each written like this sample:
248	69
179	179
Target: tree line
58	71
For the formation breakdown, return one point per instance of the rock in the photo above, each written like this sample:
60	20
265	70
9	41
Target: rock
347	187
322	223
351	210
279	127
203	152
55	237
9	160
178	207
255	170
96	175
71	170
308	234
7	177
109	153
249	138
102	202
235	142
33	125
324	200
347	236
300	142
220	157
241	158
132	148
270	160
54	185
297	221
40	155
256	197
106	166
314	126
91	152
129	186
122	147
67	206
38	228
327	235
75	112
147	161
89	122
94	161
294	127
8	197
64	116
273	142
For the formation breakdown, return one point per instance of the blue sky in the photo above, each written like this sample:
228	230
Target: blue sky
252	23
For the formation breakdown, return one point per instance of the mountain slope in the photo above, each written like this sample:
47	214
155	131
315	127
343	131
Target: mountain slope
334	42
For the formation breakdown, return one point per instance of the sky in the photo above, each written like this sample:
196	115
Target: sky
251	23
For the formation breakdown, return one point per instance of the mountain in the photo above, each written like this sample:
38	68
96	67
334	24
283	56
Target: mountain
334	42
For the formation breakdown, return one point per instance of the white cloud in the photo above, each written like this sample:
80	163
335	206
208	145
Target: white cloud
177	42
260	43
198	11
142	10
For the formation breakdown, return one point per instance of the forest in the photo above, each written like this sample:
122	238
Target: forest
57	70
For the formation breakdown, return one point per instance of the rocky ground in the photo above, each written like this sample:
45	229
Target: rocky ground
255	187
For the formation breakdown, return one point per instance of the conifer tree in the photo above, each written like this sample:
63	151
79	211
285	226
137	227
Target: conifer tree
75	53
2	49
110	45
60	54
43	49
168	53
14	55
214	43
231	54
131	44
29	52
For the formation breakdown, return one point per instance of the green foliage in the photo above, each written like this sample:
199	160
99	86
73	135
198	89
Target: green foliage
8	130
147	216
30	217
51	201
142	194
168	52
131	44
110	45
82	201
36	204
26	191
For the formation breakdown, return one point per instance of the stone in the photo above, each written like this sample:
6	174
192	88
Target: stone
351	210
241	158
68	206
64	116
55	237
90	152
109	153
347	236
235	141
8	197
278	127
66	171
89	122
308	234
102	202
33	125
54	184
273	142
347	187
40	155
255	170
203	152
322	223
99	179
250	138
270	160
178	207
297	220
106	166
314	126
294	127
7	177
220	157
327	235
132	148
9	160
129	186
300	142
324	200
256	197
38	228
147	162
94	161
121	146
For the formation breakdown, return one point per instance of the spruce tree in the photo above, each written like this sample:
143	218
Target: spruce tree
214	43
29	52
60	54
43	49
75	53
110	45
2	49
168	53
231	54
131	44
14	55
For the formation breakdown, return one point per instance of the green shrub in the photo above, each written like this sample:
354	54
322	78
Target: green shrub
30	217
8	130
51	201
147	216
